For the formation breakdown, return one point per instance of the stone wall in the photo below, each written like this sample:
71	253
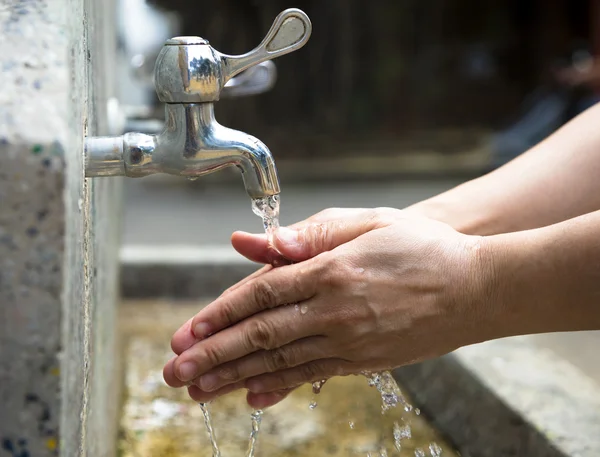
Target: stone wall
58	232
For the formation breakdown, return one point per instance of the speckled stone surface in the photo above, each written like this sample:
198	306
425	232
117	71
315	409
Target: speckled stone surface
57	289
159	421
509	398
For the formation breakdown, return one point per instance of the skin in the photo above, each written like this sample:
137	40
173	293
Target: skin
514	252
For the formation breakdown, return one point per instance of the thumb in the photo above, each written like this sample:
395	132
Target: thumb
309	240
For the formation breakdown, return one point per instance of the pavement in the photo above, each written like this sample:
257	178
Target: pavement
159	213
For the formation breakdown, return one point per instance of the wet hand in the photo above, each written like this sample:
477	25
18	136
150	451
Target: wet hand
379	289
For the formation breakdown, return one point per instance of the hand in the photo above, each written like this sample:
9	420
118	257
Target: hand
383	289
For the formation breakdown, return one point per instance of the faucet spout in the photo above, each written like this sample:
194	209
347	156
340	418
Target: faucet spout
192	144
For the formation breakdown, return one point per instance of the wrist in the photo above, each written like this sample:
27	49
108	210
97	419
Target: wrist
520	285
452	211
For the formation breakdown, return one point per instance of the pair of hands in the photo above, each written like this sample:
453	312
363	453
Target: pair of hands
373	289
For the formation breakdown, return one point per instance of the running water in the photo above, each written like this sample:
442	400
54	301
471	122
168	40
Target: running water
209	428
256	420
267	208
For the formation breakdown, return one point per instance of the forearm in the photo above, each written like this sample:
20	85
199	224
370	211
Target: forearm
545	280
557	180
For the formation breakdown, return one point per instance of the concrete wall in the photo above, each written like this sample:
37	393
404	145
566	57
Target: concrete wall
58	232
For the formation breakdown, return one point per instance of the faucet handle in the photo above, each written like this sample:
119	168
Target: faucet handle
289	32
189	70
255	80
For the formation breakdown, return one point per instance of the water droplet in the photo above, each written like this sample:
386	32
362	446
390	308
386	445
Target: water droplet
360	270
297	307
303	309
192	178
318	385
312	405
352	425
435	450
383	452
80	204
419	452
417	411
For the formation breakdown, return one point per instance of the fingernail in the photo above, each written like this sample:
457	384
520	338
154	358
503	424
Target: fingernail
208	382
255	387
187	371
201	330
287	236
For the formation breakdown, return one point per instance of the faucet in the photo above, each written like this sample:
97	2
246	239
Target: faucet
189	77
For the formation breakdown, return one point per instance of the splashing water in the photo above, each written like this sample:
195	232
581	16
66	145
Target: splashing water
435	450
389	390
267	208
419	453
256	421
209	428
401	433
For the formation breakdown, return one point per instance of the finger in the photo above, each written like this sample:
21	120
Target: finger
200	396
262	401
309	372
266	331
279	286
256	247
291	355
321	235
184	338
169	375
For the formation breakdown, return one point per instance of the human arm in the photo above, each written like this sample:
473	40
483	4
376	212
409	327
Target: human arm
425	290
556	180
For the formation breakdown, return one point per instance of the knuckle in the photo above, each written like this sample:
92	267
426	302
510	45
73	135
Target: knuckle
331	271
278	359
318	237
381	216
264	294
227	314
214	355
260	335
229	373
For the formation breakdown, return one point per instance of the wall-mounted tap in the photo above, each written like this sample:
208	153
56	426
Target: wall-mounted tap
189	78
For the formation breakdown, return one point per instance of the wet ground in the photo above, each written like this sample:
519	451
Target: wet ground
158	421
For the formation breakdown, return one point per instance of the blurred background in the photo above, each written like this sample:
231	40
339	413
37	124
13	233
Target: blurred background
390	101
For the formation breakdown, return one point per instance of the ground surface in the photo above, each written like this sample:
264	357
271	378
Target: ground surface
158	421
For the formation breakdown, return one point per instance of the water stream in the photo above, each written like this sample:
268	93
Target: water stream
209	428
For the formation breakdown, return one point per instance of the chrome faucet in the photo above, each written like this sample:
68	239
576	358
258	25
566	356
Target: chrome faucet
189	78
